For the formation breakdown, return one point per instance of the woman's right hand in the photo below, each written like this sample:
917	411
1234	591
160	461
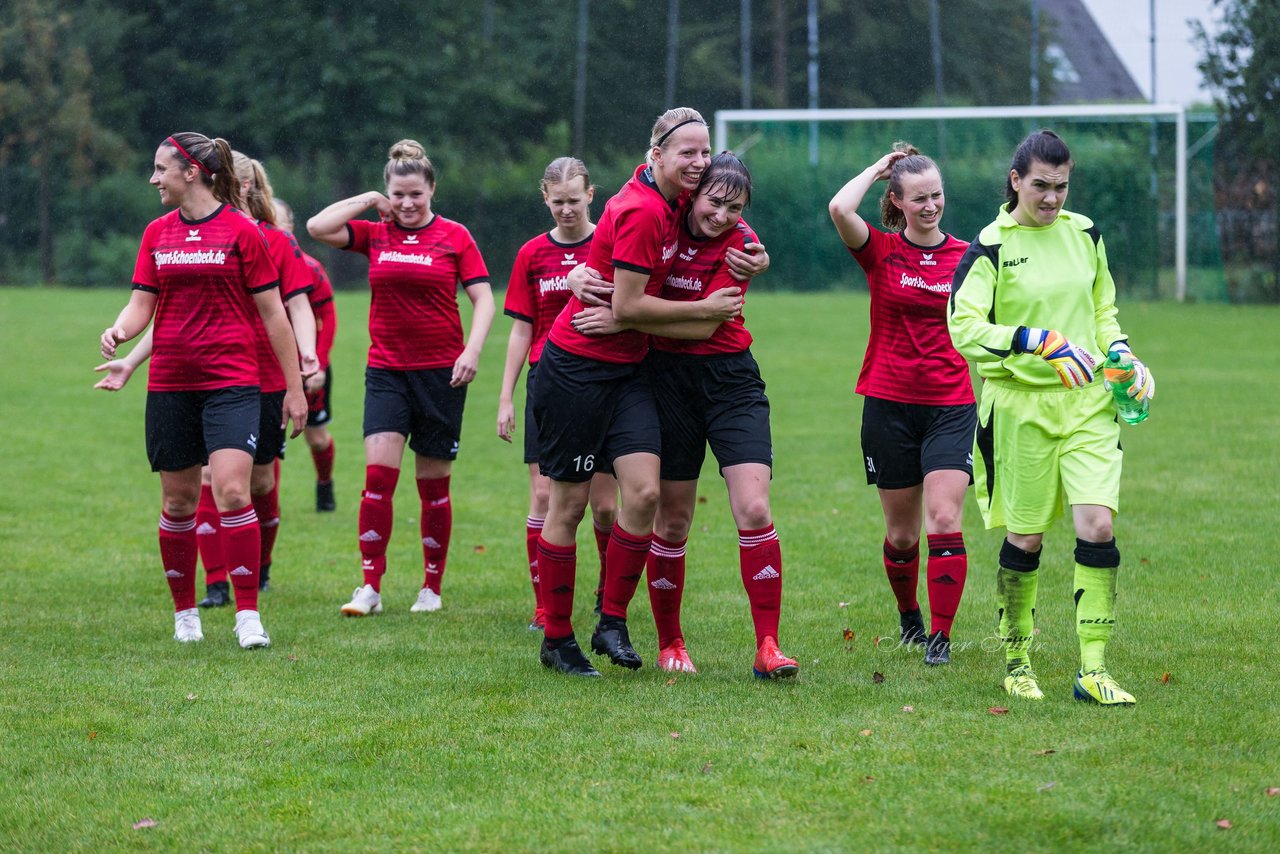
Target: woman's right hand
884	166
382	205
588	287
506	420
724	304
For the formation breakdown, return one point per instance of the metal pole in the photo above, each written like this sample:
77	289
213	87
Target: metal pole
580	85
745	63
935	38
813	80
1180	214
1035	53
673	36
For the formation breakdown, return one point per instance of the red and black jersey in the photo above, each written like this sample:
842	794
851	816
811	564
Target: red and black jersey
539	288
414	274
910	358
204	274
700	269
322	307
295	278
638	231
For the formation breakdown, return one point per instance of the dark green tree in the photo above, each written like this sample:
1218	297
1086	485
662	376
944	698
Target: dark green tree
48	123
1241	61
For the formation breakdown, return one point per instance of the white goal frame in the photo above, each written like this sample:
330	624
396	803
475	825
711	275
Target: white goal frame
1080	111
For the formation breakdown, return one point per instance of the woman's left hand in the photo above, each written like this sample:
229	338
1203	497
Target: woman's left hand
748	262
464	370
595	321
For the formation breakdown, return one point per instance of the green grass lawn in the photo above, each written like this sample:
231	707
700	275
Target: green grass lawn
441	732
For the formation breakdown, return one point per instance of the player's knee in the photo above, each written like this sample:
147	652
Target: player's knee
673	529
1097	530
180	503
262	481
943	520
754	514
1102	555
902	539
643	497
231	496
1018	559
540	495
604	517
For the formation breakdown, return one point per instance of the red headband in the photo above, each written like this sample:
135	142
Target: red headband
184	153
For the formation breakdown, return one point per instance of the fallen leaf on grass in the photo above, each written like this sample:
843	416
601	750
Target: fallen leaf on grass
143	824
908	708
998	710
868	779
1035	630
1273	791
1164	680
479	550
92	735
1144	561
844	604
1223	823
1044	787
864	733
191	698
706	769
849	635
877	677
876	641
675	735
1045	752
671	681
293	657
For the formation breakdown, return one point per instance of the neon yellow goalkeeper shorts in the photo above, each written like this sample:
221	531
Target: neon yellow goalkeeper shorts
1038	447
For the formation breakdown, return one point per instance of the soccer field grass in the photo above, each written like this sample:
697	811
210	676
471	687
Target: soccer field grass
442	731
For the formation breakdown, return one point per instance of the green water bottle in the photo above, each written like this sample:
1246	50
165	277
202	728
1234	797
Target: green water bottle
1118	369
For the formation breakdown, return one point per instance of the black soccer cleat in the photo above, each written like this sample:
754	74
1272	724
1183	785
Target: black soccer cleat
216	595
911	625
610	638
264	577
566	656
938	650
324	498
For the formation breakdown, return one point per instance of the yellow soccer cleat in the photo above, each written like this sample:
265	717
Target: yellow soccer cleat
1021	682
1097	686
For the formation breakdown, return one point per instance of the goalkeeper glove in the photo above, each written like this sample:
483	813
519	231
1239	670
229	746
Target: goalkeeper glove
1144	382
1075	366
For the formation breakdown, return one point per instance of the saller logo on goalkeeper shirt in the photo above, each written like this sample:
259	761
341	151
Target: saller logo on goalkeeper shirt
1013	262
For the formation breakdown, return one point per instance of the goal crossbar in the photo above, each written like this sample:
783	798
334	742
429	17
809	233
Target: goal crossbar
724	118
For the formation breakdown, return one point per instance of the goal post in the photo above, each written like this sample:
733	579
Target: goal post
724	119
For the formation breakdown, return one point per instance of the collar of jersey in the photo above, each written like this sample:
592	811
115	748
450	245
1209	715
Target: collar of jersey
644	174
555	242
1005	219
434	216
941	243
186	221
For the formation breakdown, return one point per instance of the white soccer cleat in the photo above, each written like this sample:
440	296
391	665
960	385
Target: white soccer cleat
249	630
186	626
428	600
364	601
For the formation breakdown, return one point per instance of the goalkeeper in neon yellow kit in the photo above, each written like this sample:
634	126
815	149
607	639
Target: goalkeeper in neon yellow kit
1033	305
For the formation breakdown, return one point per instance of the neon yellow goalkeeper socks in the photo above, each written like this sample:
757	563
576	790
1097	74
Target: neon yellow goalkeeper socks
1016	598
1095	594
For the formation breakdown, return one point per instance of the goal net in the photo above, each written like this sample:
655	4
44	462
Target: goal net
1144	175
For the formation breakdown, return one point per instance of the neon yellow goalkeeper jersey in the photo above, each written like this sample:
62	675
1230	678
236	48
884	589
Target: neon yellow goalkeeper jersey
1050	277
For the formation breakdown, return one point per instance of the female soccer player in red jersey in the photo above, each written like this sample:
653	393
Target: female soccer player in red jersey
918	417
592	404
319	386
204	266
416	381
709	390
536	293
